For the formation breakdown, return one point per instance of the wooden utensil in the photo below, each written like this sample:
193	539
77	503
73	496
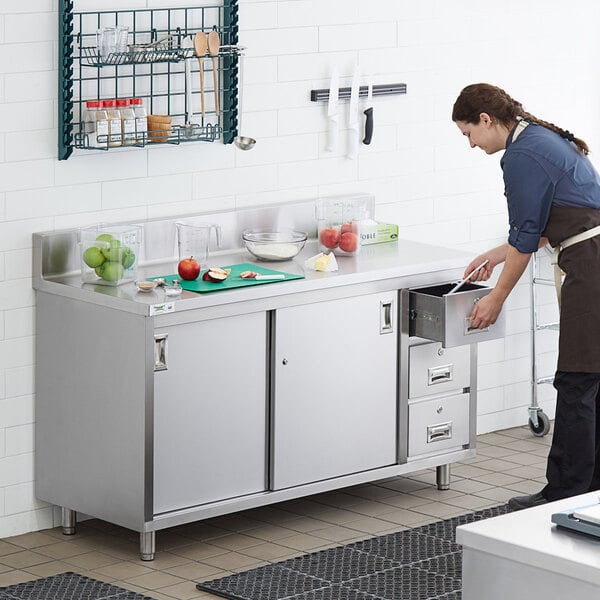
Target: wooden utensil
214	44
200	45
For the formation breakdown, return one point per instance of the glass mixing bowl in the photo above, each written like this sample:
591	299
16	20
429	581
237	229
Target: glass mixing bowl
282	244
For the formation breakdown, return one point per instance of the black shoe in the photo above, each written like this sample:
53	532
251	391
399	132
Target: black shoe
521	502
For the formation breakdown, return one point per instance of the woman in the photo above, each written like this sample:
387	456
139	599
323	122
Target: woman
553	194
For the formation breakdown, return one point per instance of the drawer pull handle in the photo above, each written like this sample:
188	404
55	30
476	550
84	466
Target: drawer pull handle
441	374
469	330
160	352
437	433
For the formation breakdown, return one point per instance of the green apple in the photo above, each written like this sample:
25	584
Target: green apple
111	271
128	257
104	237
113	252
93	257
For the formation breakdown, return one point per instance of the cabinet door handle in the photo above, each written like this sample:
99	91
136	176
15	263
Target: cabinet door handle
386	317
160	352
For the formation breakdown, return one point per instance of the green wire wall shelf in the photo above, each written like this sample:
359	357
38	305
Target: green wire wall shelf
152	68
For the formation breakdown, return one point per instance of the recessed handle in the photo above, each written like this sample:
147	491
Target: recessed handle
386	317
160	352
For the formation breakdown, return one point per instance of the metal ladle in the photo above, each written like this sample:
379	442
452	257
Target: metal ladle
241	141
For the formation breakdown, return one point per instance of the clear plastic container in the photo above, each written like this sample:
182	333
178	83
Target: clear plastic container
107	42
339	220
109	253
115	129
141	120
122	38
127	122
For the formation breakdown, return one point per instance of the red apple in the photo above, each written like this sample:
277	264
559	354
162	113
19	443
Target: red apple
329	237
188	268
349	228
349	242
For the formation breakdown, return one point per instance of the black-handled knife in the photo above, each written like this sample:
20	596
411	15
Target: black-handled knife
368	126
369	117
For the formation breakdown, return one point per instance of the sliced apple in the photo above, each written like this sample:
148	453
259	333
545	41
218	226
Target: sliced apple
216	274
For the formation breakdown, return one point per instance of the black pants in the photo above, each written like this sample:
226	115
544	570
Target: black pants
574	459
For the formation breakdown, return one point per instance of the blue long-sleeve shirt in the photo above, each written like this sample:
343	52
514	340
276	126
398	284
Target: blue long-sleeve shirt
541	169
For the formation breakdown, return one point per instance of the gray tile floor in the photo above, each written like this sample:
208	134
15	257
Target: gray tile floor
508	463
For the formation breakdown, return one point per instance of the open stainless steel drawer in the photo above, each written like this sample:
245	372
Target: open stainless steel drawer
442	317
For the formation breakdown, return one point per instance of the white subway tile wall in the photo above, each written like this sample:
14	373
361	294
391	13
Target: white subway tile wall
422	172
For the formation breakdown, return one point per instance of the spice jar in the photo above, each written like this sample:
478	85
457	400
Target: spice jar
115	129
127	122
95	124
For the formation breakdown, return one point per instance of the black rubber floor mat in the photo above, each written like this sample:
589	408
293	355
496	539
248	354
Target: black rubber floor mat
67	586
424	563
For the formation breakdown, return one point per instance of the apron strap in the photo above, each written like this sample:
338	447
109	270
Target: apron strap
519	129
571	241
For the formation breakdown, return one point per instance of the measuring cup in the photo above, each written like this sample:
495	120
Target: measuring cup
193	239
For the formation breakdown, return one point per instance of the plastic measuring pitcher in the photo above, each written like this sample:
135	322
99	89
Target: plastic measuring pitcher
193	239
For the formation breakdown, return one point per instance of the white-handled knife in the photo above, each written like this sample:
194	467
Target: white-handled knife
353	116
267	277
332	112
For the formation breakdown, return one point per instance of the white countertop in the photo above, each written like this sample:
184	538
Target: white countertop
529	537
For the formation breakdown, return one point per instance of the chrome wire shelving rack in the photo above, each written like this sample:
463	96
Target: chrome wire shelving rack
152	68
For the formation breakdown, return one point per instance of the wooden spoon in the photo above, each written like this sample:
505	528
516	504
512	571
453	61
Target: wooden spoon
200	45
214	44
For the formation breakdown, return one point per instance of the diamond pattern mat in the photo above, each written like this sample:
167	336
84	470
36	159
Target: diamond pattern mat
424	563
67	586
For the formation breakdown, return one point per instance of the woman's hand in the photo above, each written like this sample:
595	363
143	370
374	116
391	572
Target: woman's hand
494	257
486	311
488	308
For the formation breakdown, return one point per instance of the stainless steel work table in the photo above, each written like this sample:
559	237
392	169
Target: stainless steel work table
122	436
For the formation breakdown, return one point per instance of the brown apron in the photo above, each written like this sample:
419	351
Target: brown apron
579	338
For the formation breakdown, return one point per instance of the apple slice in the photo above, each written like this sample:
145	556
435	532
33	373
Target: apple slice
216	275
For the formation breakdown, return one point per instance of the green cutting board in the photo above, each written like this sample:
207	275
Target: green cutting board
233	281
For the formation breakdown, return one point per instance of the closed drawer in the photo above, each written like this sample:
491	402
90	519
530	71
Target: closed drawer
438	370
438	425
442	317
